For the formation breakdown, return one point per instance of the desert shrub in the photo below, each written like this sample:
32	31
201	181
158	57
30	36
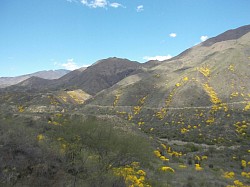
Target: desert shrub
192	147
93	147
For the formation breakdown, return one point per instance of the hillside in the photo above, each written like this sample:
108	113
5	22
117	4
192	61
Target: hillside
222	64
205	84
101	75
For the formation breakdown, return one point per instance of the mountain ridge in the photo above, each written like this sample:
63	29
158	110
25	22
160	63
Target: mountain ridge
46	74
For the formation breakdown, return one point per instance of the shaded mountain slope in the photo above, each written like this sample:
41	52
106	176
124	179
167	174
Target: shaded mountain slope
100	75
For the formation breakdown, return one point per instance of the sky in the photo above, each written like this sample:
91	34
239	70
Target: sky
40	35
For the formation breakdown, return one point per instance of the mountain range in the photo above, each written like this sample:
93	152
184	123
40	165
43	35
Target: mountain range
51	74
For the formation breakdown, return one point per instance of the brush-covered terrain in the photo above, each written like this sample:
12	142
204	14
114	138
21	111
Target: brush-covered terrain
180	122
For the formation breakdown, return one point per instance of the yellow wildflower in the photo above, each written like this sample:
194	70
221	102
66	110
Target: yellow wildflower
182	166
198	167
157	153
166	168
243	163
178	84
164	158
40	137
229	175
205	71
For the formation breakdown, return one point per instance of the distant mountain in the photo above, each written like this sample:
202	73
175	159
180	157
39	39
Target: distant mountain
101	75
51	74
97	77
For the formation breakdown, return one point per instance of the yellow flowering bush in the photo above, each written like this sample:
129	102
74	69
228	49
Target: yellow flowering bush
178	84
210	91
141	123
243	163
167	168
161	114
241	127
163	158
235	94
247	107
205	71
133	176
54	123
204	157
231	67
130	117
157	153
210	120
229	175
245	174
237	183
137	109
182	166
40	137
20	109
117	97
184	130
142	100
185	79
198	167
164	146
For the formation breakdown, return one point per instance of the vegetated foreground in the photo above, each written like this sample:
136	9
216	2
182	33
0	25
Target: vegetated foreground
62	149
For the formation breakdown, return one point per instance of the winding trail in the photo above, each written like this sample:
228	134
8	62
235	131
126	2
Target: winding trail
168	108
206	146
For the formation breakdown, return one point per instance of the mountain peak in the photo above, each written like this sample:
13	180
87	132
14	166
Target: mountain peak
232	34
111	60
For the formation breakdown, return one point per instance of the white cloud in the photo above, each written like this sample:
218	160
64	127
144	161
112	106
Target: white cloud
160	58
116	5
84	2
100	3
172	35
95	3
139	8
203	38
70	65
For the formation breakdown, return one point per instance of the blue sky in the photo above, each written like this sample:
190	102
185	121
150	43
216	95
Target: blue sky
54	34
